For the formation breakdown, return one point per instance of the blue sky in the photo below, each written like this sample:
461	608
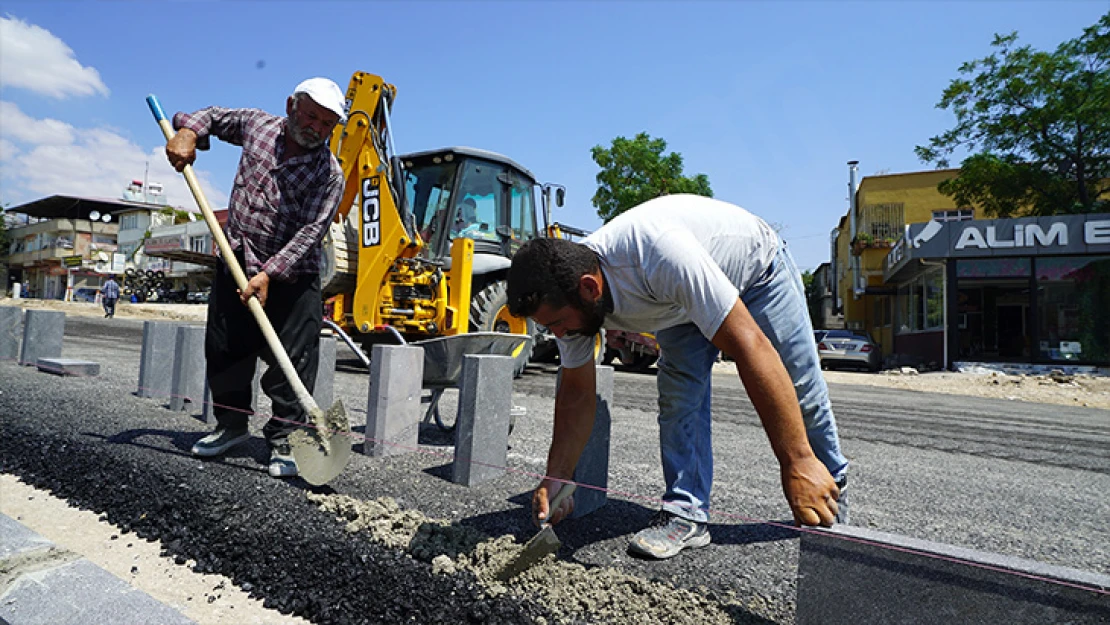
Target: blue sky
769	99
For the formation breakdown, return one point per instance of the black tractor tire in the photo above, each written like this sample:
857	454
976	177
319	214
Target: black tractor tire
484	308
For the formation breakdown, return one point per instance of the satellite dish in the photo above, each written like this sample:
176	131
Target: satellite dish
94	215
106	218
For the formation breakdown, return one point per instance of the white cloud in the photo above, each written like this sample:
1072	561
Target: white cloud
8	150
87	162
33	58
18	126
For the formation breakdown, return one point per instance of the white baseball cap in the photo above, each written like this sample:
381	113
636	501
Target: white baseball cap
325	93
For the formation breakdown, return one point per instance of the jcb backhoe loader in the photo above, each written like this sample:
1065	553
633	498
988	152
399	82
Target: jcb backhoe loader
422	243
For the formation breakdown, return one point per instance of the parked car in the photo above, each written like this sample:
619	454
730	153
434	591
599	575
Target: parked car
197	297
85	294
847	348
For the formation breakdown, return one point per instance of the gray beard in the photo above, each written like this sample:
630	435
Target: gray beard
305	138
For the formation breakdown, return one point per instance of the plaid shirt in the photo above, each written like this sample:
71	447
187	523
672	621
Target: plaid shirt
280	208
110	290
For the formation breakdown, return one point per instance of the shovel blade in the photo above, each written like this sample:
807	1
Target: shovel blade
541	545
322	451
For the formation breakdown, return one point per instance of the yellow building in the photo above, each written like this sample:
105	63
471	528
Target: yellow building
933	282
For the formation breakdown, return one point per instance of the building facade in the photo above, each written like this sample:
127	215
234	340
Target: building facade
64	247
64	257
937	284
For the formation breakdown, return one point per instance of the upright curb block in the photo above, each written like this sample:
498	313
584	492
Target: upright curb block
11	327
187	382
157	359
593	465
482	425
43	332
393	400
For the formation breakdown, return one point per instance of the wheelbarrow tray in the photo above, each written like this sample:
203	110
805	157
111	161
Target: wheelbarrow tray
443	356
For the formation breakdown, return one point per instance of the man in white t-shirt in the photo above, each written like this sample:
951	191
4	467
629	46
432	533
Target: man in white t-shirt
706	277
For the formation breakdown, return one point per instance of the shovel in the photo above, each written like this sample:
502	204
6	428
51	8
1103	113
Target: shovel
542	544
323	447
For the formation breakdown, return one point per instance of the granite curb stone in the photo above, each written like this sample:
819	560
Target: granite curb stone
62	588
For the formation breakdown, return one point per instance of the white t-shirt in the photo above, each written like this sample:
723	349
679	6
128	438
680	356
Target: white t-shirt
673	260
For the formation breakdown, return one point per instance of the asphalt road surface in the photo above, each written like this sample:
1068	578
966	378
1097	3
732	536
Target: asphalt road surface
1022	479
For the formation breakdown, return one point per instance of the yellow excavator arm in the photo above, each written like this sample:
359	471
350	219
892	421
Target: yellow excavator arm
373	267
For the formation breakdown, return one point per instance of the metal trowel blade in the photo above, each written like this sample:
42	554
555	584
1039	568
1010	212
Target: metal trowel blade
536	549
322	451
543	543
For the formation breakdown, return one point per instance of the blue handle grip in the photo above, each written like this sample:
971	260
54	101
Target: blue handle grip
155	107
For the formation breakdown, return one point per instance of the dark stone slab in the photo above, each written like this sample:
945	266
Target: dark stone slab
849	575
69	366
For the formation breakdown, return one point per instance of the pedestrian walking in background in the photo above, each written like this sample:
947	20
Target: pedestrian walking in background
109	295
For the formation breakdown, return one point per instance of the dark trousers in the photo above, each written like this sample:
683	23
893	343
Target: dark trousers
233	343
110	306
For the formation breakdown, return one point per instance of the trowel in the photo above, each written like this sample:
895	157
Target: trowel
542	544
323	447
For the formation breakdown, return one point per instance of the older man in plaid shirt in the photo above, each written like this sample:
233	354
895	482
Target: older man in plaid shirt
286	192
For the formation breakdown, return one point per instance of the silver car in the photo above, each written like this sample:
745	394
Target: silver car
847	348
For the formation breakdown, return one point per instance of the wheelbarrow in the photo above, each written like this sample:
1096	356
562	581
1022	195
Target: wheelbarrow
443	361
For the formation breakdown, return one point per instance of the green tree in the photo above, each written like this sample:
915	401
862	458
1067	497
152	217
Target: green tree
634	171
813	302
1036	126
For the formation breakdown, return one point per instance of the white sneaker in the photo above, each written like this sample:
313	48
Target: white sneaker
667	535
282	463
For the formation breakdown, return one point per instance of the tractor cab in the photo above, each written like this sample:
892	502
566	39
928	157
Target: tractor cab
465	192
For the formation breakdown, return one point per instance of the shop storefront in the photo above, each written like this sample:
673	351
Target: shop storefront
1030	290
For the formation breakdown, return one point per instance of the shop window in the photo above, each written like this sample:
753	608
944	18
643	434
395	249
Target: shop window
933	298
1073	301
920	305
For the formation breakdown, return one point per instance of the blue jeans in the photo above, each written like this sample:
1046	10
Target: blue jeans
778	304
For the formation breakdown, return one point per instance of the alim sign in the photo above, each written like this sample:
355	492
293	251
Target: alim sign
1026	236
